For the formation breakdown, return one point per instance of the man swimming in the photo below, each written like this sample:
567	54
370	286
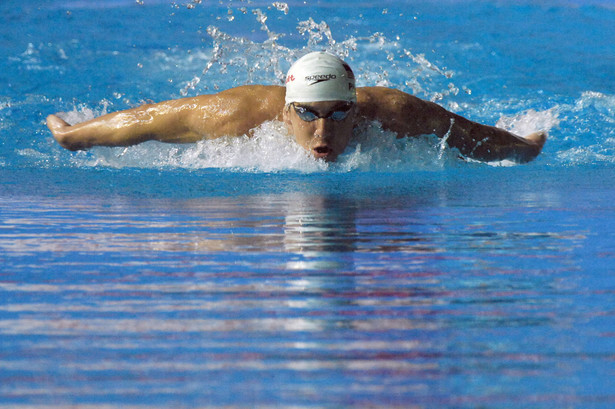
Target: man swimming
320	106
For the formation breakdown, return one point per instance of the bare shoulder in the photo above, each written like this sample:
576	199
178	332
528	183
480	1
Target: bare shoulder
250	94
260	100
365	93
256	91
397	110
235	111
382	101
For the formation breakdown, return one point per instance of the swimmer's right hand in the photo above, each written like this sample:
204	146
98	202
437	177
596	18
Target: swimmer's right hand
55	123
59	128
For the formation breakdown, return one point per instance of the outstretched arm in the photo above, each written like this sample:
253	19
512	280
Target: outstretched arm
489	143
233	112
410	116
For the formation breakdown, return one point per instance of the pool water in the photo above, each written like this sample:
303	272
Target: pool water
241	273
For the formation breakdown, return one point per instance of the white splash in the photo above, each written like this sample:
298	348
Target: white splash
268	149
271	149
376	60
592	117
84	113
530	121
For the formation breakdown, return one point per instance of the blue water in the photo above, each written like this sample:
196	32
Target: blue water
241	273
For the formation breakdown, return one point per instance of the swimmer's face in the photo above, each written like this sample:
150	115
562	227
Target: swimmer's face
322	128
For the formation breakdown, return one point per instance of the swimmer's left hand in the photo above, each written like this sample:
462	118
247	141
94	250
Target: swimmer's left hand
537	138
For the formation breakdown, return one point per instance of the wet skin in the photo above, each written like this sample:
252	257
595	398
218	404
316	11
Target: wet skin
324	137
244	108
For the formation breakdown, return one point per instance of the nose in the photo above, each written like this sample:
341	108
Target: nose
323	136
324	129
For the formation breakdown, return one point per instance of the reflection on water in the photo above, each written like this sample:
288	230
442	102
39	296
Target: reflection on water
306	299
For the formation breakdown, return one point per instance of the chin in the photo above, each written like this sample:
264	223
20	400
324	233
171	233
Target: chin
327	157
331	158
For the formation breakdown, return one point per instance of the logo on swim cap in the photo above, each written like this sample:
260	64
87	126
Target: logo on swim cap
315	79
320	76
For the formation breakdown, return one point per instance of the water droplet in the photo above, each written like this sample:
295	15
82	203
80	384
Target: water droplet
281	6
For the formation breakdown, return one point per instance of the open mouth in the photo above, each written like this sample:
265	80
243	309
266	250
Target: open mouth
322	151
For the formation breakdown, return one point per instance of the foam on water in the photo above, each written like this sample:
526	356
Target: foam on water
158	286
272	149
262	56
376	60
590	136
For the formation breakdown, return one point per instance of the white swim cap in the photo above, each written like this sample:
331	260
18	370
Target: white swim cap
319	77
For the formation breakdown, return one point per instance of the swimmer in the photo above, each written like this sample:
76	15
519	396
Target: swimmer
320	107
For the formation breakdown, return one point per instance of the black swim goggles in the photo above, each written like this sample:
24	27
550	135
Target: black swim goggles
308	115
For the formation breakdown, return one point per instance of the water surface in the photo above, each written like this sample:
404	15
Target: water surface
240	273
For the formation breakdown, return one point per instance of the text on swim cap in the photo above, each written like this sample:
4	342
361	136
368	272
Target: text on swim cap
320	78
